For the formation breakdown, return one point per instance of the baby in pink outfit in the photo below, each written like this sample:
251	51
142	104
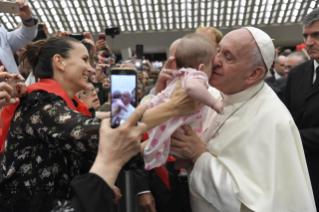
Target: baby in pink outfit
194	60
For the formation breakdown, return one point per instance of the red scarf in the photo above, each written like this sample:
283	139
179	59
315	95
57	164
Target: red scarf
49	86
161	171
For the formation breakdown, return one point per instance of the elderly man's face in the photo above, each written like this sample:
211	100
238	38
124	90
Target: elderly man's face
280	65
232	61
311	39
126	97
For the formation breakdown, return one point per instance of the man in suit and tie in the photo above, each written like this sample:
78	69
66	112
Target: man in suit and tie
294	59
302	98
279	70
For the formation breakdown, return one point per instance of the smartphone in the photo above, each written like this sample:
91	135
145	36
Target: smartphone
9	7
101	36
13	82
123	94
78	37
139	51
150	82
157	64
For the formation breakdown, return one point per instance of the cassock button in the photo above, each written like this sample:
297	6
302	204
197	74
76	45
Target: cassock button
206	144
217	124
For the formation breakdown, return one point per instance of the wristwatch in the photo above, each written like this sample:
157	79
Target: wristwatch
30	19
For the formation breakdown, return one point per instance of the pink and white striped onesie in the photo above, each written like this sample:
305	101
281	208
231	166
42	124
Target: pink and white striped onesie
157	150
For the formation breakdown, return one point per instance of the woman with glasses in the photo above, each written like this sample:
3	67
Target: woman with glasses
89	97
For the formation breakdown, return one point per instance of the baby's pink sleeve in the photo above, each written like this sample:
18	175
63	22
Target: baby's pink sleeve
195	83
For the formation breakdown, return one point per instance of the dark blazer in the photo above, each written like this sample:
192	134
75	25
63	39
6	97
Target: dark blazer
150	181
279	87
280	81
270	80
302	100
174	200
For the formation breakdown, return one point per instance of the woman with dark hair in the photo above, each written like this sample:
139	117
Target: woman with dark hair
50	136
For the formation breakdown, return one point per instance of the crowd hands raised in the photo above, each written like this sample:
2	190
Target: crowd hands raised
96	151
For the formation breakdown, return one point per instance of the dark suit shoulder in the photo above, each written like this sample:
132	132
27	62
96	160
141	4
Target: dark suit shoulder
280	81
301	68
270	79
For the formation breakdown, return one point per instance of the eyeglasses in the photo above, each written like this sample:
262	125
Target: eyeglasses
89	92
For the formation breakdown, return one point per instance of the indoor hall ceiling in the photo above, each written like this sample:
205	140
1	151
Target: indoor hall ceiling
162	15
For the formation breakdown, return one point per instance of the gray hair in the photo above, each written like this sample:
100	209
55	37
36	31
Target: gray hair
257	59
301	55
310	18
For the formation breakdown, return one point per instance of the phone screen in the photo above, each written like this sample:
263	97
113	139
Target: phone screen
157	64
101	36
123	97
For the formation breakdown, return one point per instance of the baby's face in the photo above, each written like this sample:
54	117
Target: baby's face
208	68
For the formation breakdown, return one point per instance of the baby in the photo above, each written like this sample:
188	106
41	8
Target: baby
194	60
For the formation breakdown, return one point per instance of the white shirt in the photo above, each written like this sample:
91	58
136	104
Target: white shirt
13	41
277	76
316	64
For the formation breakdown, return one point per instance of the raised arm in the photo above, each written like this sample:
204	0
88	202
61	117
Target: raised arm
197	89
179	104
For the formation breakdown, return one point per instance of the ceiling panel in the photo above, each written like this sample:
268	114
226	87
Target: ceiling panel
161	15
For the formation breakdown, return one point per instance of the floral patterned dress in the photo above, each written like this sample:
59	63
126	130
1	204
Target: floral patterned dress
48	144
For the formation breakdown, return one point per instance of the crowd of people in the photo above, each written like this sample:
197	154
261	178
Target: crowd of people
225	124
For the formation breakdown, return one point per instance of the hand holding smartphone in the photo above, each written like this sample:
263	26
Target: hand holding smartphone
123	94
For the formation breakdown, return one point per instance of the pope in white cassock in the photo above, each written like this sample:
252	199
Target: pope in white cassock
250	157
126	99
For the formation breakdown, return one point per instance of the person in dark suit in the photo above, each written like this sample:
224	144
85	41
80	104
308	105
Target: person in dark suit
279	70
294	59
302	98
166	195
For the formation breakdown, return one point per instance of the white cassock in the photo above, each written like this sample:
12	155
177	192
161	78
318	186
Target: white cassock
255	160
125	114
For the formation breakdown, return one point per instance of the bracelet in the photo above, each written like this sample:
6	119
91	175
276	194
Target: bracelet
29	20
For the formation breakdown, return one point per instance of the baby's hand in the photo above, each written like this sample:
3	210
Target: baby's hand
218	107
